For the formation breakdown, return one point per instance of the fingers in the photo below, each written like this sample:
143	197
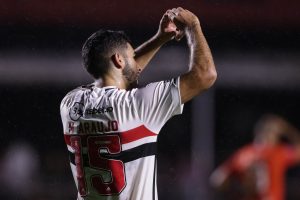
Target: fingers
175	12
175	27
175	21
171	14
181	17
176	15
179	35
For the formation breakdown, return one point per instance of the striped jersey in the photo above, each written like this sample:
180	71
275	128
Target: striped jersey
111	137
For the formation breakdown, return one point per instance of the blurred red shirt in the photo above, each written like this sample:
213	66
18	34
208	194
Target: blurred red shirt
263	168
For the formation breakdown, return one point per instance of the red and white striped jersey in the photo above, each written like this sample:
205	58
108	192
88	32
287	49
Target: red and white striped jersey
111	136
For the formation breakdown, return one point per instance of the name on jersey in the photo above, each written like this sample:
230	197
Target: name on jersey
91	127
77	111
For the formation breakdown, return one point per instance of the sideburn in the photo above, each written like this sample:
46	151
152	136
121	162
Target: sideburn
130	75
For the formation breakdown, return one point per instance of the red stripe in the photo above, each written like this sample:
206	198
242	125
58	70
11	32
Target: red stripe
126	136
135	134
67	138
82	136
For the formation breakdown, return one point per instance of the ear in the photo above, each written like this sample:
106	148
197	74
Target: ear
118	60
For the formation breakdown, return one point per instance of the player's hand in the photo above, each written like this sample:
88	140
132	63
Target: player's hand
167	28
183	19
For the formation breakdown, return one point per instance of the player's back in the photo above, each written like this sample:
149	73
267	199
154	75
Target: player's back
112	147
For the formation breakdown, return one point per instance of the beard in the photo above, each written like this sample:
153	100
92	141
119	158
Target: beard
130	75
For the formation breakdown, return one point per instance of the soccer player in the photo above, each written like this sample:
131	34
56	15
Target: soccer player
111	126
257	170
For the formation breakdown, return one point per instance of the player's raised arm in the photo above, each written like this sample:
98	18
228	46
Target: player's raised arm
290	132
202	73
166	32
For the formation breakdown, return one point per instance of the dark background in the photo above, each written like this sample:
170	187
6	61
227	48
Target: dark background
246	31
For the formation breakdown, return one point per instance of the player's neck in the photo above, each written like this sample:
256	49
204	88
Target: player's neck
111	81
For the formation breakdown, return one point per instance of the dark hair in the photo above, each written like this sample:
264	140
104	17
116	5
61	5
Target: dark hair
263	121
98	49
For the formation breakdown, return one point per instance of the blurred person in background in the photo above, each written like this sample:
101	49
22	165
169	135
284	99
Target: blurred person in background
257	170
19	171
111	126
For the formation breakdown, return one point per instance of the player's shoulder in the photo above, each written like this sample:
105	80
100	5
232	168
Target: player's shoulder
157	86
70	96
167	82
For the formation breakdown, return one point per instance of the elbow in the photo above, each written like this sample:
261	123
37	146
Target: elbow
207	78
211	78
219	177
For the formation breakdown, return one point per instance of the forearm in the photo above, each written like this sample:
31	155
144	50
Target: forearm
292	134
201	58
284	128
202	73
145	52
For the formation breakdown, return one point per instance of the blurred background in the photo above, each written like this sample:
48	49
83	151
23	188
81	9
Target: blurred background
255	44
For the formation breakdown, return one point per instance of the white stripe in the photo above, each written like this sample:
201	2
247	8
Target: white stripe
139	142
70	149
84	149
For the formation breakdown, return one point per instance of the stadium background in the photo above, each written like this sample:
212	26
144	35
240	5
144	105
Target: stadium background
255	44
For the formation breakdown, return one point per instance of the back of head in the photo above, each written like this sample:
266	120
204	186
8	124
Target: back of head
268	129
98	49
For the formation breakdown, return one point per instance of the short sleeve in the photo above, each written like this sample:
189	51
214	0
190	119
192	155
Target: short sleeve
157	102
